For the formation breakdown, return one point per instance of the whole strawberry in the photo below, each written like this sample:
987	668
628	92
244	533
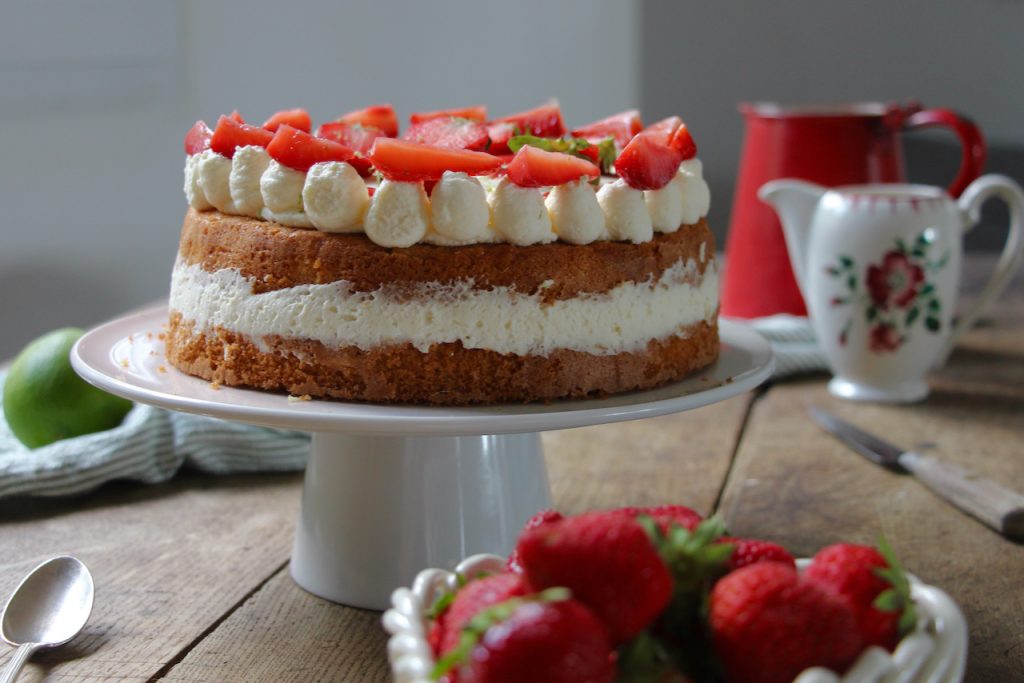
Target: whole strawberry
608	563
470	600
545	637
543	517
667	515
768	623
876	587
747	551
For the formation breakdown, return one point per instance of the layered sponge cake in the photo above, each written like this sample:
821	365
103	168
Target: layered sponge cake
472	261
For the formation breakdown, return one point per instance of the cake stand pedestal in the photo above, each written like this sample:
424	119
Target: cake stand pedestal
390	490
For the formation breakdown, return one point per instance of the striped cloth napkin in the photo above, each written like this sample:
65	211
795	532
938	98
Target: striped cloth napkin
149	446
793	344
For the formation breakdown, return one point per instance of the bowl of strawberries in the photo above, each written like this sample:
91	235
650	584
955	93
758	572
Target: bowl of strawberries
660	595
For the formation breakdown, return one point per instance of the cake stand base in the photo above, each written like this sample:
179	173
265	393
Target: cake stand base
378	509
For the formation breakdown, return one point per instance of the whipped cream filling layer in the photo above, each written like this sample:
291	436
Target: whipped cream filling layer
500	319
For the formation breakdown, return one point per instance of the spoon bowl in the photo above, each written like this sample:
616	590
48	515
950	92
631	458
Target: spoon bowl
48	608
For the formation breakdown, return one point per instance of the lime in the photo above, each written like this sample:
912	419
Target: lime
45	400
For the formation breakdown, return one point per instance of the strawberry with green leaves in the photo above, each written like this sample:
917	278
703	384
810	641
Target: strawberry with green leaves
543	638
608	563
544	121
874	582
768	623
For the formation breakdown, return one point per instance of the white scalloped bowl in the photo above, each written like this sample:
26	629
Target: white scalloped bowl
936	652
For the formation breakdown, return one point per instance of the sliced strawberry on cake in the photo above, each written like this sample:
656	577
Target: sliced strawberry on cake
666	126
295	149
674	133
296	118
355	136
449	132
648	162
230	134
620	127
544	121
476	113
533	167
380	116
197	139
412	161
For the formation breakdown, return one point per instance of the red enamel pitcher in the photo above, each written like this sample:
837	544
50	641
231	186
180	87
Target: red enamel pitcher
832	145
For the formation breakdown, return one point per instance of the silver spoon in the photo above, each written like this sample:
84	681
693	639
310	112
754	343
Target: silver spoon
50	606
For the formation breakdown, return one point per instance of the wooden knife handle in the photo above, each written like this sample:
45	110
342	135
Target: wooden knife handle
987	501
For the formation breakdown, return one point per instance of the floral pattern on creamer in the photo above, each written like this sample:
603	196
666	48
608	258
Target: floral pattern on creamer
896	293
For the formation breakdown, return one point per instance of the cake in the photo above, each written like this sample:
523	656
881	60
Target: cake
467	262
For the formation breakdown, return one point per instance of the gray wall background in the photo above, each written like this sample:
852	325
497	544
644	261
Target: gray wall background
97	96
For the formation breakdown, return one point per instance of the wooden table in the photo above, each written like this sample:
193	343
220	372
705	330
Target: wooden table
192	576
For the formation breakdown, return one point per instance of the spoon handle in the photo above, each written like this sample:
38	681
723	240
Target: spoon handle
17	661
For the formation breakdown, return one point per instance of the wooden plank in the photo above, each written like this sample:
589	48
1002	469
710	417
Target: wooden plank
168	561
679	458
283	633
795	484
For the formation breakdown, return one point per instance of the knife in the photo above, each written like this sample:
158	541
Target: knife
985	500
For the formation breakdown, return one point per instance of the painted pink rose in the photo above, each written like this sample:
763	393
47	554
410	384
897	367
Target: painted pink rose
895	281
884	338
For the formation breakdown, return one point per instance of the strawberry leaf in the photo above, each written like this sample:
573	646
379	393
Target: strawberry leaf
898	597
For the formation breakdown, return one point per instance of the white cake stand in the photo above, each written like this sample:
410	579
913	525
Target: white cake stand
390	490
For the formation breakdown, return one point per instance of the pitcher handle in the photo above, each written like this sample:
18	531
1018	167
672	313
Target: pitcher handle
973	150
970	203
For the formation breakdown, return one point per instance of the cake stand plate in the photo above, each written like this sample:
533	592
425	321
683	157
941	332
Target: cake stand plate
392	489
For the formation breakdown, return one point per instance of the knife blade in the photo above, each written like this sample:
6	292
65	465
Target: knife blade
990	503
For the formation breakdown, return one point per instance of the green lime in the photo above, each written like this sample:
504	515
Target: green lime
45	400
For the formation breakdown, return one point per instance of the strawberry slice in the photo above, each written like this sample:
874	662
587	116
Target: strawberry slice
648	162
674	133
533	167
296	118
300	150
476	113
622	127
404	160
197	138
237	117
380	116
230	134
544	121
357	137
682	142
665	126
449	132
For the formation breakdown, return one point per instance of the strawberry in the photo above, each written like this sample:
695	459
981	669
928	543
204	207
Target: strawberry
747	551
608	562
541	518
197	139
621	127
381	116
296	149
533	167
236	117
449	132
666	126
476	113
548	638
404	160
768	623
647	163
230	134
357	137
682	142
296	118
544	121
674	133
666	515
863	575
471	599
